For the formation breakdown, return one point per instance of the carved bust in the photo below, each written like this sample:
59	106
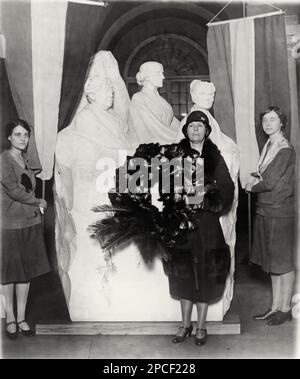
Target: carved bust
202	93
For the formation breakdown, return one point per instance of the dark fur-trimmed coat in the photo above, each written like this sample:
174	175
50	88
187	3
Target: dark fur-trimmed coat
219	186
198	257
198	267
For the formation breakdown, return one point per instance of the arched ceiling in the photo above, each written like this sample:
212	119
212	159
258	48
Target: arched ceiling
158	26
146	11
130	24
158	16
123	15
179	55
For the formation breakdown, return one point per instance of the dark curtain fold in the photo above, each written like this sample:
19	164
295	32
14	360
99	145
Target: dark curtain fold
219	60
271	71
16	27
8	109
83	35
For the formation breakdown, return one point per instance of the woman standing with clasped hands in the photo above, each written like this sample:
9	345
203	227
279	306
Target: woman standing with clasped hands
274	227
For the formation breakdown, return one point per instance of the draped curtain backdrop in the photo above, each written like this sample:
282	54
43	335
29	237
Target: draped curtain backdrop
249	57
83	35
272	74
7	106
249	66
49	44
16	27
48	34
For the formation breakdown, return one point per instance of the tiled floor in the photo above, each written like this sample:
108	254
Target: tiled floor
257	340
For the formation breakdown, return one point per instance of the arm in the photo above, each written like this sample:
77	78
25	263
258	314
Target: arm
219	195
13	189
274	172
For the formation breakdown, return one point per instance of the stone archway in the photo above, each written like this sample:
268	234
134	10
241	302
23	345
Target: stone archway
168	42
134	13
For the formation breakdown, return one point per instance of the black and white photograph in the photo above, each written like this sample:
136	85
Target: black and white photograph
150	182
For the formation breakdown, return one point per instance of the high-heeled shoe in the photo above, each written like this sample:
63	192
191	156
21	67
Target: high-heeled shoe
265	316
280	318
11	335
187	333
201	341
27	333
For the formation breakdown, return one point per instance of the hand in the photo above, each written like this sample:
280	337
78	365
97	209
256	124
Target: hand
43	203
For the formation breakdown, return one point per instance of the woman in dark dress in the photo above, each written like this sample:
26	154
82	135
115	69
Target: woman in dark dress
198	267
23	254
274	226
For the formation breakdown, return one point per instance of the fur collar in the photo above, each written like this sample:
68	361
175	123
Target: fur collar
210	154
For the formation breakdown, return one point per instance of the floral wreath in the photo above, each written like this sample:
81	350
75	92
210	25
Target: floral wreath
131	215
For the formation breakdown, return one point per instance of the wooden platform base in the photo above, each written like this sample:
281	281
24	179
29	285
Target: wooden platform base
230	325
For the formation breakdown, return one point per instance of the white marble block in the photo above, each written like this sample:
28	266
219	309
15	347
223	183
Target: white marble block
123	288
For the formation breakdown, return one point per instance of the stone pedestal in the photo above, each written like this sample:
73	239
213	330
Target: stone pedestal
125	289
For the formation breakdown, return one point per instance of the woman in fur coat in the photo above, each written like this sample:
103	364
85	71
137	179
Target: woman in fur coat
197	267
